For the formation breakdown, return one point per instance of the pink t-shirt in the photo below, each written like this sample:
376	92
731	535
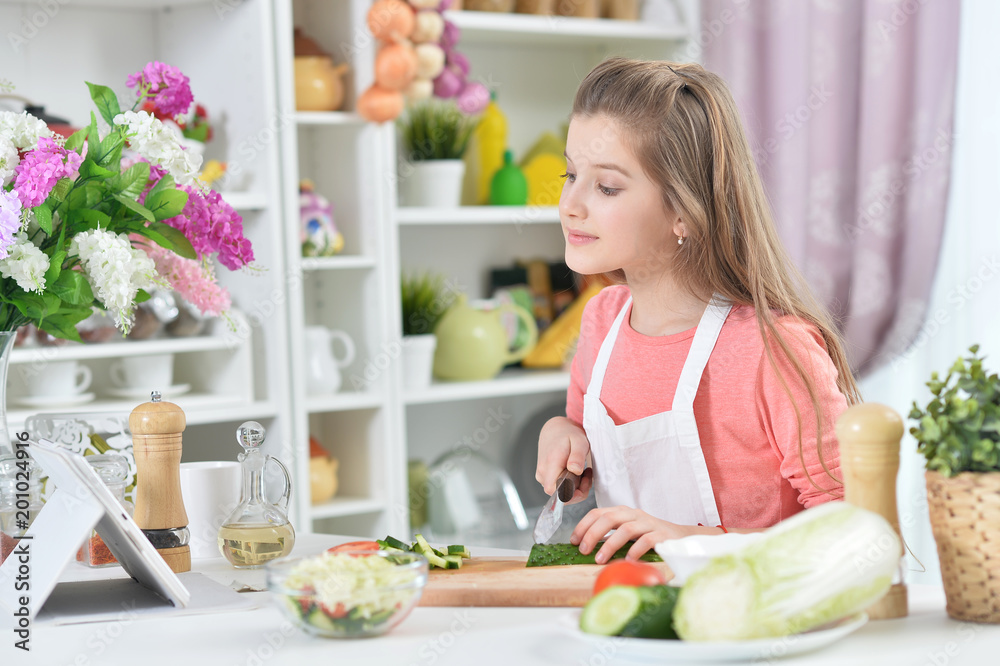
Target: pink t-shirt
746	421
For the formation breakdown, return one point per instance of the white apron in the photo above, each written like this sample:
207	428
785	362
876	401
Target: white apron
655	464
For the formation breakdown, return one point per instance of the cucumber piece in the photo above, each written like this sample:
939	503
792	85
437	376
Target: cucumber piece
655	618
453	561
607	613
554	554
322	621
461	551
396	543
424	548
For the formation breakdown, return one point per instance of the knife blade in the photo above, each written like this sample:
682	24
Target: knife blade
551	517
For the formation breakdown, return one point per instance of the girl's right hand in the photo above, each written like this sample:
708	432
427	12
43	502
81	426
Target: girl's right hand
562	445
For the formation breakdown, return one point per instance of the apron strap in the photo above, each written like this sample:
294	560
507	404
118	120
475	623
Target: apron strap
702	345
601	364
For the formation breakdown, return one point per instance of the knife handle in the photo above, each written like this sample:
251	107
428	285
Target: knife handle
566	485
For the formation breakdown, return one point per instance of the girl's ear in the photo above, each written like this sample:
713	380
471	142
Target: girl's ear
680	230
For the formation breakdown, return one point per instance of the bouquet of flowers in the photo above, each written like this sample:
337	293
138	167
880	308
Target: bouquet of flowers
97	219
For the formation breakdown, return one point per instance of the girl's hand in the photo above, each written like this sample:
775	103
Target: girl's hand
563	445
629	525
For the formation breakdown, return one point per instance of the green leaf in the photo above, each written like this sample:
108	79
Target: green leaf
43	215
168	237
61	189
131	182
135	207
73	288
55	266
63	326
93	139
164	184
93	217
166	204
111	150
90	169
86	196
106	102
142	296
76	140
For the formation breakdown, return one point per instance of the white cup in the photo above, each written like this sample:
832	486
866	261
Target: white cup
153	373
57	379
211	490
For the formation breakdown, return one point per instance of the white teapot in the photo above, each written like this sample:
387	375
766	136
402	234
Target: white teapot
322	367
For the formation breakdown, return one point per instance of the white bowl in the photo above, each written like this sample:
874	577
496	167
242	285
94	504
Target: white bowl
687	555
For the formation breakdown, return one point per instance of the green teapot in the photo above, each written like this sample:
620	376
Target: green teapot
472	343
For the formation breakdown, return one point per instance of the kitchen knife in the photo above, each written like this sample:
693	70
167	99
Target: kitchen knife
551	517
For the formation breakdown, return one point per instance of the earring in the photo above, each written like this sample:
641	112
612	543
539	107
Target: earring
680	240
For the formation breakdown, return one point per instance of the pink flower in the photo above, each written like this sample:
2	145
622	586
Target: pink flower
41	168
170	88
212	226
192	280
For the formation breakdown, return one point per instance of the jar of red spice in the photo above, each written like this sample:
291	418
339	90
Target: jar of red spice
113	470
20	498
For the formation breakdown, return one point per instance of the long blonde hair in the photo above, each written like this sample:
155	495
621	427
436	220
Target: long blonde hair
682	124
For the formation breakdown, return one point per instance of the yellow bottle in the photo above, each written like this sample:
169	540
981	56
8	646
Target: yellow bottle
491	140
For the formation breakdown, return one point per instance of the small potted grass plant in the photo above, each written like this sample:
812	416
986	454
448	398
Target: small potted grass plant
434	135
425	298
959	434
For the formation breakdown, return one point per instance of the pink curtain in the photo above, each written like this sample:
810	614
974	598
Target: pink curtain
848	104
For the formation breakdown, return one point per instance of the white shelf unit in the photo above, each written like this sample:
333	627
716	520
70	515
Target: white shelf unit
226	50
340	153
535	64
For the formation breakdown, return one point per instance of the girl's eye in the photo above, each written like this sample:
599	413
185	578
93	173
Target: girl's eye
608	191
571	177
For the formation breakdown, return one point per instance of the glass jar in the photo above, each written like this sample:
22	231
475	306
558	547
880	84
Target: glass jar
112	468
20	498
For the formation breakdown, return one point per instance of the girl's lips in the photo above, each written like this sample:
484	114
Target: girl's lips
579	238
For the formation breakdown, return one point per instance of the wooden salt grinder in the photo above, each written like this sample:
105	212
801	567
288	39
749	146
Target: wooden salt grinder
159	507
869	436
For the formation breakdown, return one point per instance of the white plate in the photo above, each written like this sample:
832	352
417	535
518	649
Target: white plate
759	651
169	392
54	400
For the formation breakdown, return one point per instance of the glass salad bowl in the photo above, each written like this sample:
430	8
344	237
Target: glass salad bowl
348	594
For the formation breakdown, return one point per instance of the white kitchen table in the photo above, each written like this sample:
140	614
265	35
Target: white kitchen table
445	636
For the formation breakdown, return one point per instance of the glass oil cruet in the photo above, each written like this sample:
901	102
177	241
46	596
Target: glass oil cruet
257	531
20	499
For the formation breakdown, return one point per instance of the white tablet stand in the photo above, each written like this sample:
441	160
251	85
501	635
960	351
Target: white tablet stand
80	503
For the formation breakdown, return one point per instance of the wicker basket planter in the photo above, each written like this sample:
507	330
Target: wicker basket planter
965	519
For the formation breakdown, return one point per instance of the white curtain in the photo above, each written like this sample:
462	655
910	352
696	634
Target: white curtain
965	304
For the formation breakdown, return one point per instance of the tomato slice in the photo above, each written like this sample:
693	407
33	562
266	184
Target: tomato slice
354	545
629	573
336	612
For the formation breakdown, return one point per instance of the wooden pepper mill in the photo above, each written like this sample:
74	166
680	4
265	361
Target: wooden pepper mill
159	507
869	436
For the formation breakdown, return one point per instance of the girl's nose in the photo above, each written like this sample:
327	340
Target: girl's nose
570	203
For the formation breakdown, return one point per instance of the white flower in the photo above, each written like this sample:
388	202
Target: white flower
26	264
116	270
158	144
22	129
8	160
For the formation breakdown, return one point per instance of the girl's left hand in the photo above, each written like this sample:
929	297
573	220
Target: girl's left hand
629	524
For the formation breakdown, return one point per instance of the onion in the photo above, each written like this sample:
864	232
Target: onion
378	105
391	20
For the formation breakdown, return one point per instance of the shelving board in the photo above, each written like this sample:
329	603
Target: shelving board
328	118
198	409
510	382
336	263
245	201
342	402
81	352
513	29
516	215
345	506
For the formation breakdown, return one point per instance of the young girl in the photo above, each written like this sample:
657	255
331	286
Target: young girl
705	388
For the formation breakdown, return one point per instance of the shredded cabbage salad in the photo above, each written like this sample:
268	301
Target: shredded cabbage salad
367	584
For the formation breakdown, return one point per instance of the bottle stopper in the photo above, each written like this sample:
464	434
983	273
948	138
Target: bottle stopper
157	428
869	436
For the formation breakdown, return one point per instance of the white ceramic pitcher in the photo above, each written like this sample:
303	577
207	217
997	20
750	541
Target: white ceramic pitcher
322	367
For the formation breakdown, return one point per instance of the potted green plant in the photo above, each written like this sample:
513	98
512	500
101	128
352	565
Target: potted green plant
959	434
434	135
425	298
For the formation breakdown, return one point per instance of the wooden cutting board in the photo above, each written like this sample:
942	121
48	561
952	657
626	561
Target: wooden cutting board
504	581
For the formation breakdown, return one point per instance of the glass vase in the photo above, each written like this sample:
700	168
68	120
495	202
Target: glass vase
6	345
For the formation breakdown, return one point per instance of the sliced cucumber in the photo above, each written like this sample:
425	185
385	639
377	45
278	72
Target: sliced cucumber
393	542
453	561
461	551
655	618
322	621
424	548
608	612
